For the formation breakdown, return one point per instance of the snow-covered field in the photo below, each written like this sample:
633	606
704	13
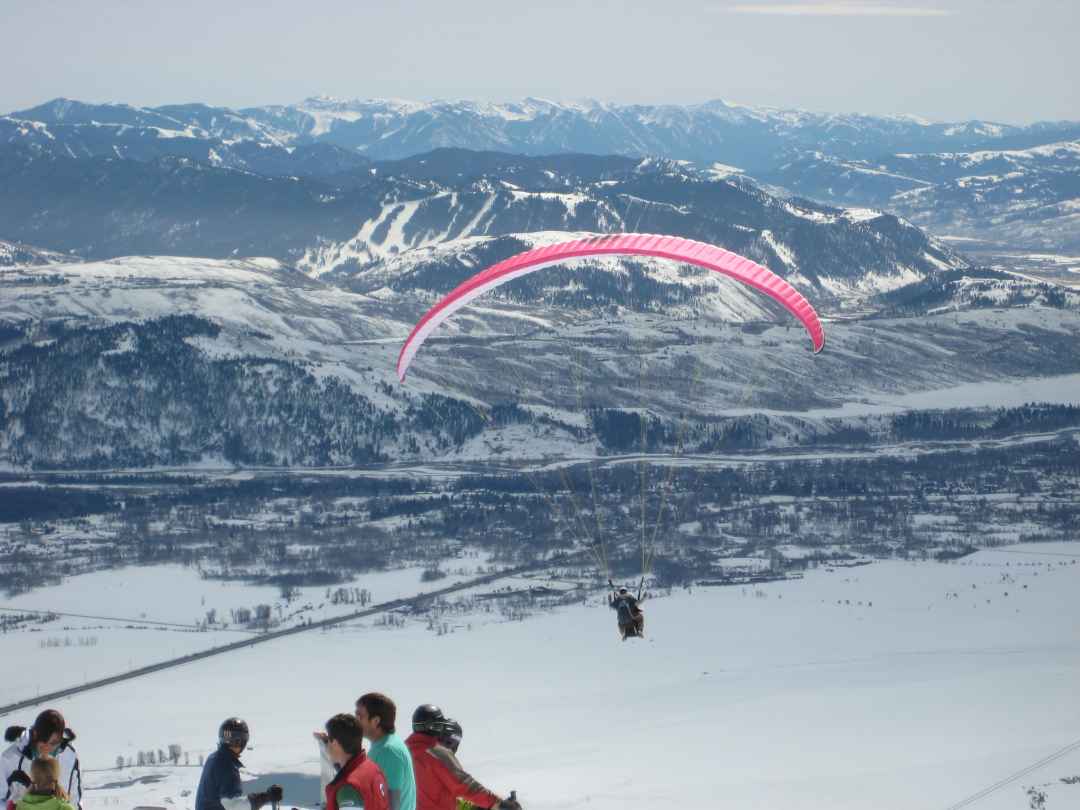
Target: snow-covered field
1061	389
140	615
890	685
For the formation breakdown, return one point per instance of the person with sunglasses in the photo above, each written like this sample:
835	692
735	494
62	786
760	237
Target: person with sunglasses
451	735
359	781
49	736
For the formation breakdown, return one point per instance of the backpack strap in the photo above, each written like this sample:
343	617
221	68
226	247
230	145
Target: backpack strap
76	774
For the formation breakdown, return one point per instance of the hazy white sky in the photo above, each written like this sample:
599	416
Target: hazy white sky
1011	61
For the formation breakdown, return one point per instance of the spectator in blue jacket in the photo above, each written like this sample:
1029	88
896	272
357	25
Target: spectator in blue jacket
219	785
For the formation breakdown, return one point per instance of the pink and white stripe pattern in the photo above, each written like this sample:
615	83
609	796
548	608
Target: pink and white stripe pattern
675	248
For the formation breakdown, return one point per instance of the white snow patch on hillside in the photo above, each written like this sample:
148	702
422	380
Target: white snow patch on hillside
509	313
872	283
393	218
537	441
187	132
1062	150
721	171
938	263
780	249
260	305
861	214
806	213
569	199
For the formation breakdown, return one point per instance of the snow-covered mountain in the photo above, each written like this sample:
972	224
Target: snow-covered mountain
243	361
754	138
103	208
288	359
1021	197
975	178
253	362
151	138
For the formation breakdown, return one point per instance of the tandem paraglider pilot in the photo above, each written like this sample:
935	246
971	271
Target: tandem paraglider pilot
630	616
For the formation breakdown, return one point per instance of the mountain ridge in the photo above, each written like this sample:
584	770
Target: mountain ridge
752	137
104	208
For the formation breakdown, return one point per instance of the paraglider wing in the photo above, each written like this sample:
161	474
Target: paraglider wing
675	248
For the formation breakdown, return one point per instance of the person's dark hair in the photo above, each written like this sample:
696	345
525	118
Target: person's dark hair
345	728
49	722
379	705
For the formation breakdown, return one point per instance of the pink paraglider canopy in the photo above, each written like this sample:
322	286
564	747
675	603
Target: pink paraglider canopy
628	244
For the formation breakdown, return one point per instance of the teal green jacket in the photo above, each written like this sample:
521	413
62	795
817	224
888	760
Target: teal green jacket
391	754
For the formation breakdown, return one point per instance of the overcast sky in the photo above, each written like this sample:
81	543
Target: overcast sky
1009	61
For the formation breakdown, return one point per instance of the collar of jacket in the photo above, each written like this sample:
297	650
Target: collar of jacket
349	767
231	753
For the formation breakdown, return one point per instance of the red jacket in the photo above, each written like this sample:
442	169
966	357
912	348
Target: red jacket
360	780
440	779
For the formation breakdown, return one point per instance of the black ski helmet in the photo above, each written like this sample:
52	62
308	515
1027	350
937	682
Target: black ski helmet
451	734
428	719
234	731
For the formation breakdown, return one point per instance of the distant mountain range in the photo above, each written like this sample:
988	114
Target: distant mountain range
752	138
1020	197
1013	184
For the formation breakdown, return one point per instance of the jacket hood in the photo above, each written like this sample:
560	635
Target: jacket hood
22	741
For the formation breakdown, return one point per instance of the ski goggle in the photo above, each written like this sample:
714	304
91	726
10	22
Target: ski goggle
451	741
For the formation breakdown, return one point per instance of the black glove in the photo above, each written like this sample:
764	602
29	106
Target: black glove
510	803
21	777
259	800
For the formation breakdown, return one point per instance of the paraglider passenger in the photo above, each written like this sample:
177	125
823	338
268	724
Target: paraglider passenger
630	616
440	780
359	781
451	735
377	714
219	786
